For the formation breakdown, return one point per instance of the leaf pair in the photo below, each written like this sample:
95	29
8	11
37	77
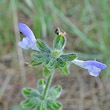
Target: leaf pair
34	104
35	100
53	93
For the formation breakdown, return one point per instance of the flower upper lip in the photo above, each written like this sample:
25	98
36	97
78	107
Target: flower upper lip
95	63
24	29
29	41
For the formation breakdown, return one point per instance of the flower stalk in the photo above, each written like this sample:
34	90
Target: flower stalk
49	80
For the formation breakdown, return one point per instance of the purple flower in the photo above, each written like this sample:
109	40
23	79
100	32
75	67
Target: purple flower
94	67
29	41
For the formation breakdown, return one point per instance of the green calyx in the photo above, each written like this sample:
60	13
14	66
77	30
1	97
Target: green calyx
56	53
52	59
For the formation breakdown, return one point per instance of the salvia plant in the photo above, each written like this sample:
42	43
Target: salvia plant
45	97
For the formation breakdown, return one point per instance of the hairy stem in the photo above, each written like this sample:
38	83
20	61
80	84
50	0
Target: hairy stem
48	85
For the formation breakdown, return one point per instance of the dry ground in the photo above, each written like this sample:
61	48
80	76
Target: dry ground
80	90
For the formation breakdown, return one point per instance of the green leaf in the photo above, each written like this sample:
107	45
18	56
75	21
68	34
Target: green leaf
48	68
34	63
59	42
28	104
54	105
52	63
38	55
41	85
42	46
54	92
60	62
41	106
64	69
68	57
39	58
46	71
63	66
29	93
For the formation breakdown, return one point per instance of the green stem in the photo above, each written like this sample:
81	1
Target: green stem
48	85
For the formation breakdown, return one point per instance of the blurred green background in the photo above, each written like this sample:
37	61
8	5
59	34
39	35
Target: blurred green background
86	22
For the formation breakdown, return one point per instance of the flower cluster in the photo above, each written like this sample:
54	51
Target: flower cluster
44	98
29	41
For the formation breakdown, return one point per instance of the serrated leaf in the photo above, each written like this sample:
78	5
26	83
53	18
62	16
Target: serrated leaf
28	104
60	62
59	42
54	92
41	85
29	93
54	105
63	66
39	55
39	58
52	63
68	57
42	46
48	68
65	69
34	63
46	71
41	106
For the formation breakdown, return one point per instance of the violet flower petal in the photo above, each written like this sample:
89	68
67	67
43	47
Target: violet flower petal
25	43
29	41
95	63
94	67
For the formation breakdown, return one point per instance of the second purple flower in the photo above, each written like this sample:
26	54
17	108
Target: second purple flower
94	67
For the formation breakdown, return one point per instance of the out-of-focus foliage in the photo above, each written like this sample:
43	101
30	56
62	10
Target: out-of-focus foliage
6	36
87	23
